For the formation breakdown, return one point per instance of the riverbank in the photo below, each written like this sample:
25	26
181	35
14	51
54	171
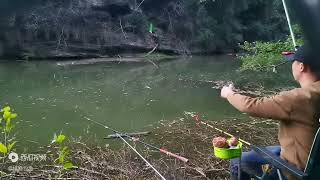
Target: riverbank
182	136
135	58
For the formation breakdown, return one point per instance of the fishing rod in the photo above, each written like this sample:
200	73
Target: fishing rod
289	23
161	150
119	135
197	120
274	70
155	170
292	37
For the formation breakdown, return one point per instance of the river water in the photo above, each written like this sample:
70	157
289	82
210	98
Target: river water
130	97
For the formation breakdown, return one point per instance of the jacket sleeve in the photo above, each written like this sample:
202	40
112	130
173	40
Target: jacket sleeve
276	107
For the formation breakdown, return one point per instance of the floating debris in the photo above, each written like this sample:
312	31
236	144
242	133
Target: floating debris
147	87
112	136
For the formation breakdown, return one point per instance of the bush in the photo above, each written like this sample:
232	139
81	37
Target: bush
266	55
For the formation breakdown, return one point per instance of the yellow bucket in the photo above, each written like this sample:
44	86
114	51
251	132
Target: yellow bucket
228	153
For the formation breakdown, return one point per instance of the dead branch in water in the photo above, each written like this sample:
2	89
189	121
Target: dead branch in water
149	53
152	50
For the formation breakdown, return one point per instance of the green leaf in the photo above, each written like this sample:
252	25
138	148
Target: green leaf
63	154
6	115
68	165
3	149
10	146
60	138
61	158
6	109
8	126
14	115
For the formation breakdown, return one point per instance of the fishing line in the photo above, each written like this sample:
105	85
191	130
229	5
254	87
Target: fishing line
161	150
120	136
155	170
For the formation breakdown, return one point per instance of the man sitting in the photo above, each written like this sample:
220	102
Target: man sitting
297	110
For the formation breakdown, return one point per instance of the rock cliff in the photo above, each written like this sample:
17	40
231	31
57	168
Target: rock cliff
60	29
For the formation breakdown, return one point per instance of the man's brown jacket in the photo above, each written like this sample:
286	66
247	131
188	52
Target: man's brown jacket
298	111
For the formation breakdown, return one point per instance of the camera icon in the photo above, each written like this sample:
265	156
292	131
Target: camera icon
14	157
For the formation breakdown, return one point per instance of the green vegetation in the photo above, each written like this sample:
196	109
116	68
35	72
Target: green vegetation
266	55
63	152
7	143
6	126
219	25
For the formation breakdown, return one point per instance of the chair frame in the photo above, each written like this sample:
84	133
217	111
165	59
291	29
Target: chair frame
282	165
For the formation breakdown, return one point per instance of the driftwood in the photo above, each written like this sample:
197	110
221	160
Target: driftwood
113	136
149	53
102	60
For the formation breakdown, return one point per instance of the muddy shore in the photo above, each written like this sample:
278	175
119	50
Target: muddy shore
182	136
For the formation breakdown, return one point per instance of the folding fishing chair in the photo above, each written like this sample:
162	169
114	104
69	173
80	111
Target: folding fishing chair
311	172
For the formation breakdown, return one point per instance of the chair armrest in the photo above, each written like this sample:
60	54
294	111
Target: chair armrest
278	162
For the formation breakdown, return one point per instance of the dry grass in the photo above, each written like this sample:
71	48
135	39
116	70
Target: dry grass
180	136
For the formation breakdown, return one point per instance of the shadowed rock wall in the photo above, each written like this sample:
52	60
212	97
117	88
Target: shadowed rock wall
98	28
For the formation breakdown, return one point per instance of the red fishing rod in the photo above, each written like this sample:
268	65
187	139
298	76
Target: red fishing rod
161	150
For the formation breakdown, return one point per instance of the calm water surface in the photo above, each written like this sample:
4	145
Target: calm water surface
129	97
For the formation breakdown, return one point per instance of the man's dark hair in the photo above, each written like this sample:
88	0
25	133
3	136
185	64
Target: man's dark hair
315	68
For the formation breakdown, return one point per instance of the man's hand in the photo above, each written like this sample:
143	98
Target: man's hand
226	91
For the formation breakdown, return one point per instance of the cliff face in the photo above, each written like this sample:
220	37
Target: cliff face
96	28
